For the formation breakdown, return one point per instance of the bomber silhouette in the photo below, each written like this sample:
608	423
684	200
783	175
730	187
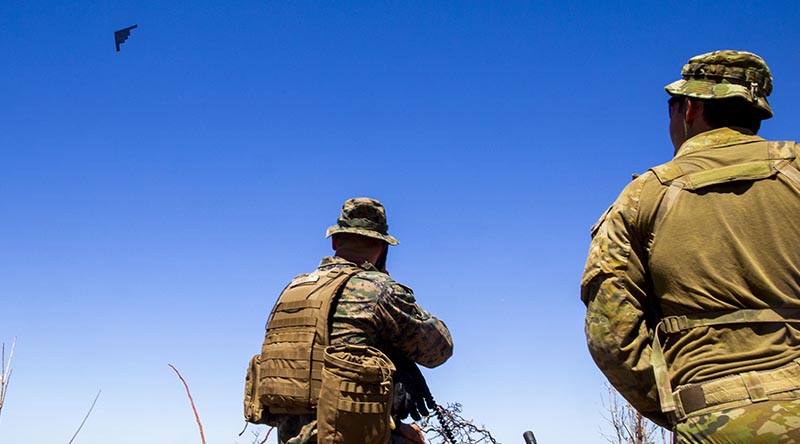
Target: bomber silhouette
122	35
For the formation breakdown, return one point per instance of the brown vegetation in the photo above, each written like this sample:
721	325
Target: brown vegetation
628	425
191	401
5	371
450	427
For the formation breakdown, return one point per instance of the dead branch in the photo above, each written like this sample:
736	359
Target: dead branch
628	425
191	401
463	430
257	434
255	439
5	371
267	435
85	417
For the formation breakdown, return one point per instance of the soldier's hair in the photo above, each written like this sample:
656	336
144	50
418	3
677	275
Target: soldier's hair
734	111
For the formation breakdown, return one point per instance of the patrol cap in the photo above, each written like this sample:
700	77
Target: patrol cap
364	216
725	74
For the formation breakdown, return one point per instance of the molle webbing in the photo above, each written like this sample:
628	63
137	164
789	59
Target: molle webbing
775	158
297	334
676	324
356	396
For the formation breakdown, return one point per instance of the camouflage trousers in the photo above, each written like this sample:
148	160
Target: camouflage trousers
302	429
776	421
393	439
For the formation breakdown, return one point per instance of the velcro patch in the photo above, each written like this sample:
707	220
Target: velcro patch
305	280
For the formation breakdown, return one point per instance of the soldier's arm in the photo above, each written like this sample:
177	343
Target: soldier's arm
614	288
411	330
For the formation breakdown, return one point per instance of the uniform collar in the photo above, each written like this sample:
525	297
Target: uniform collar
715	138
336	261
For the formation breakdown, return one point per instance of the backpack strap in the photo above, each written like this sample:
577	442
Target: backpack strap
339	278
779	160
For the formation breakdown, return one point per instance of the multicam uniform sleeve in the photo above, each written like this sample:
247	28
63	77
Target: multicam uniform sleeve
619	315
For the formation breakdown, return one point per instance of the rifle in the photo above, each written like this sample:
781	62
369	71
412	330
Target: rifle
413	397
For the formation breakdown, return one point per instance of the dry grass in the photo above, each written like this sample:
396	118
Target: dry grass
5	371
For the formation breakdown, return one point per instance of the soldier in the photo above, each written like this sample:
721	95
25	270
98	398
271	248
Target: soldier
692	284
361	309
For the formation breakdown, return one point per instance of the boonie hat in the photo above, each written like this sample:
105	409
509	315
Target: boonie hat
724	74
364	216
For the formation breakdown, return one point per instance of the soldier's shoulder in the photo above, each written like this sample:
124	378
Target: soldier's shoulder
303	278
381	281
626	205
327	266
633	189
665	173
374	277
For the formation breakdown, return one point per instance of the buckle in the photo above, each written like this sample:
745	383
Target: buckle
674	324
754	91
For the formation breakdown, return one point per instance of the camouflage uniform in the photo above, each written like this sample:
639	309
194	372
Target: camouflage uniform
666	254
374	310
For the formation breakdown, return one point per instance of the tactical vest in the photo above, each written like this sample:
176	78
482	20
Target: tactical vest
772	158
286	377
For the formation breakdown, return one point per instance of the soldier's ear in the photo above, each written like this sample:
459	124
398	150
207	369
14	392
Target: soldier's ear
694	110
334	242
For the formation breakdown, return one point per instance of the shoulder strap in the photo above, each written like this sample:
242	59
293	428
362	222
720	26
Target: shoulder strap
337	282
667	172
760	169
779	159
786	155
312	291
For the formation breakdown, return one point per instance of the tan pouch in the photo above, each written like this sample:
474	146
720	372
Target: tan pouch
254	410
356	396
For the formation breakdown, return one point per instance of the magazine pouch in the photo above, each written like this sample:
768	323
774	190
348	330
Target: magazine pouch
356	396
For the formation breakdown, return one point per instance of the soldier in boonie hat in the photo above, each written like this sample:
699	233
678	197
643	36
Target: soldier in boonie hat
687	272
350	307
364	216
725	74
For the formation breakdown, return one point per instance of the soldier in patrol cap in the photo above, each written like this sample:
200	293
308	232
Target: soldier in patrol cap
360	306
691	283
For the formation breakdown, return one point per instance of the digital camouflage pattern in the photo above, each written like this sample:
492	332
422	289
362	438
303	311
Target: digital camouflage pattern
725	74
728	246
375	310
364	216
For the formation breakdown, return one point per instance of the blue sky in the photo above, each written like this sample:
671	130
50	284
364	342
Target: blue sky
153	202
